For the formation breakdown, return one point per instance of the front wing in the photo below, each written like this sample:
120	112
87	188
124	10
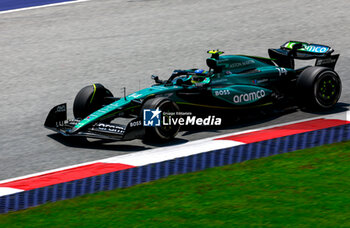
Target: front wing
57	121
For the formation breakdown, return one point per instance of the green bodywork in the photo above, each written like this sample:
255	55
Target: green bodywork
237	80
125	103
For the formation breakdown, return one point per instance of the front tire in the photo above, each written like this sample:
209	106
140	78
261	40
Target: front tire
319	88
90	99
163	132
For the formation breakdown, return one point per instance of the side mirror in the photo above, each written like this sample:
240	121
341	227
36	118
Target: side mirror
155	77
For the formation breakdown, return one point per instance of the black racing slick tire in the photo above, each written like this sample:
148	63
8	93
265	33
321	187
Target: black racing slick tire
90	99
163	132
319	88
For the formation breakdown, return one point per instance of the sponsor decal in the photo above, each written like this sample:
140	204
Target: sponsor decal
260	81
108	127
241	64
317	49
61	108
151	117
135	123
246	97
325	61
314	48
222	92
135	95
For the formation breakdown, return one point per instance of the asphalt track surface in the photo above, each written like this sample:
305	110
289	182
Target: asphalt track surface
48	54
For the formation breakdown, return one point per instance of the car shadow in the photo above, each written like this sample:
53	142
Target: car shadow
103	144
339	107
82	142
262	116
175	141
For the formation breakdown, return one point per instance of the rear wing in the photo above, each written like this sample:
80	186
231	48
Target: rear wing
312	50
285	55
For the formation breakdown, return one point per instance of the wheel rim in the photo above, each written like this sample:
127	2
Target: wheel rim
327	90
167	131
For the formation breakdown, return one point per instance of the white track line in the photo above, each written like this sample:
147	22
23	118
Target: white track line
168	152
42	6
47	171
171	152
8	191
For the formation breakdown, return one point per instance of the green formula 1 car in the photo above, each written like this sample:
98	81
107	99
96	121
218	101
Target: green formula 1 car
198	97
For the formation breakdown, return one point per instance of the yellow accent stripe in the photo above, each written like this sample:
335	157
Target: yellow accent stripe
93	95
218	107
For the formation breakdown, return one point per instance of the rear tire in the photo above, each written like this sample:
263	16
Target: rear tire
161	133
319	88
90	99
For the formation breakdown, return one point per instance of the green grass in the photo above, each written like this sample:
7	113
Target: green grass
307	188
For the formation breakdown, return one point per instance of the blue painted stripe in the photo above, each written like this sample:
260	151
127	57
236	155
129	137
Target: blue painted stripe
19	4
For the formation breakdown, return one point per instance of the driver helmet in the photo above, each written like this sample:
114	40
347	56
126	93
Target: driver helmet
200	71
199	76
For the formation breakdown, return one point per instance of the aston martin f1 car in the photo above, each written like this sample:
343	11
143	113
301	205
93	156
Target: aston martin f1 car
231	83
